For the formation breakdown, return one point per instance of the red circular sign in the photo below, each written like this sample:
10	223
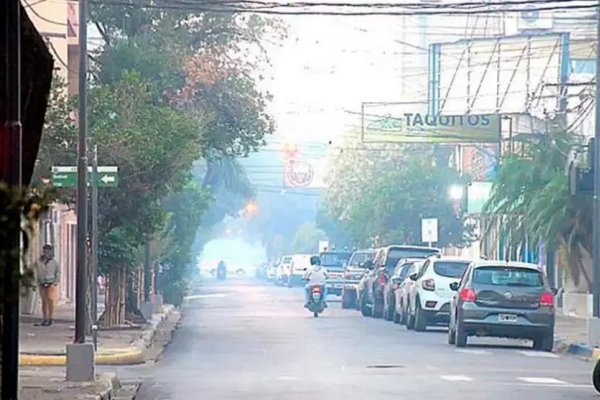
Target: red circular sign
298	173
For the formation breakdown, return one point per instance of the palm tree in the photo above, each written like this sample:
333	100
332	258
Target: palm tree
531	201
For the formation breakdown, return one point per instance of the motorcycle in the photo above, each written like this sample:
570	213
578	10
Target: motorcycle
316	300
221	273
596	376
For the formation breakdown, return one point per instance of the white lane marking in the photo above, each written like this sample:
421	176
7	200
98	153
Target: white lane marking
542	381
456	378
539	354
474	351
287	378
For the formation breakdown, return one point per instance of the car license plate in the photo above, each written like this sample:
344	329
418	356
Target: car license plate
507	318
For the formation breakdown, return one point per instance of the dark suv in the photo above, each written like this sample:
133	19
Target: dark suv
371	287
356	268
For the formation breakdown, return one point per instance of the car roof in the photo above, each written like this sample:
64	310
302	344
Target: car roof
409	247
364	251
451	259
501	263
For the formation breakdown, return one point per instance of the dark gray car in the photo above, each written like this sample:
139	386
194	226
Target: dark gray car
503	299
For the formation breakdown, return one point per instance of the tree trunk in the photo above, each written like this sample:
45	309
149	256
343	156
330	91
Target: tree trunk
114	312
577	267
135	294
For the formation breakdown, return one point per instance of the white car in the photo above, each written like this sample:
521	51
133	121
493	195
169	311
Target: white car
283	270
430	295
299	266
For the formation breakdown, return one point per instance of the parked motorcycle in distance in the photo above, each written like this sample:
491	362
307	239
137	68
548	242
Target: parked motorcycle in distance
316	300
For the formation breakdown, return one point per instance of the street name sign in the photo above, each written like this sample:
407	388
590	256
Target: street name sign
67	176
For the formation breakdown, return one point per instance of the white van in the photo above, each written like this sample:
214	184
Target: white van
299	266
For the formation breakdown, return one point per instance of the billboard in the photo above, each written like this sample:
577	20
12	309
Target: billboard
411	123
505	74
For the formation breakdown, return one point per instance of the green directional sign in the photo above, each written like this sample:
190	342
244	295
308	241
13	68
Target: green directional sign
67	176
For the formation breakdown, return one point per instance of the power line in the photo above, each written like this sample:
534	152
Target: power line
182	5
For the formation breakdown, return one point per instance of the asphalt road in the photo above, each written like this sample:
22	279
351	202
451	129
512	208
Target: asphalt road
253	341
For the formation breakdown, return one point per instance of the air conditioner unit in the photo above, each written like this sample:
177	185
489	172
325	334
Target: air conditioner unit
534	20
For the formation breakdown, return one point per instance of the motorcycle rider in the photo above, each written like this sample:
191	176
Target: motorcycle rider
221	270
315	277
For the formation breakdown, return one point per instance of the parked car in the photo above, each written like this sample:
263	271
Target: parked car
389	291
298	267
356	268
335	263
283	270
429	298
404	289
503	299
384	262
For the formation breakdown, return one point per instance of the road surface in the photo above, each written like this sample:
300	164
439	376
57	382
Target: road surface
254	341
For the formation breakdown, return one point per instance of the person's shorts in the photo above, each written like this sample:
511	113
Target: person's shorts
50	291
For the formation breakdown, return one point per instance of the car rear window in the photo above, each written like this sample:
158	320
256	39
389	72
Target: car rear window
396	254
450	269
507	276
334	259
358	258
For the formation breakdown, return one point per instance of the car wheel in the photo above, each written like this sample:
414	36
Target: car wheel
345	304
391	312
397	317
596	376
460	335
544	342
364	307
451	336
377	311
420	318
410	320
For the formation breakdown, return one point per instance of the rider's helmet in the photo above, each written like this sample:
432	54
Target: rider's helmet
315	260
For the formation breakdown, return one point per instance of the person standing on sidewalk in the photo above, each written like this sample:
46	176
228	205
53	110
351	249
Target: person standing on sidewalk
48	272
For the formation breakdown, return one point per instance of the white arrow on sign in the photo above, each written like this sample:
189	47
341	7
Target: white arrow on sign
107	179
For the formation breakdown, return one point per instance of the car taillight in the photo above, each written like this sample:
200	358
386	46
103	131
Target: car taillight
428	284
468	295
382	279
547	299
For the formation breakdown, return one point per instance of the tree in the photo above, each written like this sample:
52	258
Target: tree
306	239
531	201
154	147
381	196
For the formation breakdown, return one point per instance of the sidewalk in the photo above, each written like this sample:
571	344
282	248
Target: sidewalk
42	346
571	337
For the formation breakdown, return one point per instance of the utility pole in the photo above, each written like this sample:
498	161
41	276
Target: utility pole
94	316
147	272
13	129
596	207
82	172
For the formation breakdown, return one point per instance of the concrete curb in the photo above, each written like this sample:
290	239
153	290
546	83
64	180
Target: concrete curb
134	354
579	349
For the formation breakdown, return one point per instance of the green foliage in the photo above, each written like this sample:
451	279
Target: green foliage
531	200
306	239
20	210
154	147
380	197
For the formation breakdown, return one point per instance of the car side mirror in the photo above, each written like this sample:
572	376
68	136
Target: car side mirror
454	286
396	281
554	291
414	276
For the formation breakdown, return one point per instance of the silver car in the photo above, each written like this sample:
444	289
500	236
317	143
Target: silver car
503	299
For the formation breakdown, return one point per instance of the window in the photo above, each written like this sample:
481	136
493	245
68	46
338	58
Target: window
397	253
358	258
583	66
507	276
450	269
